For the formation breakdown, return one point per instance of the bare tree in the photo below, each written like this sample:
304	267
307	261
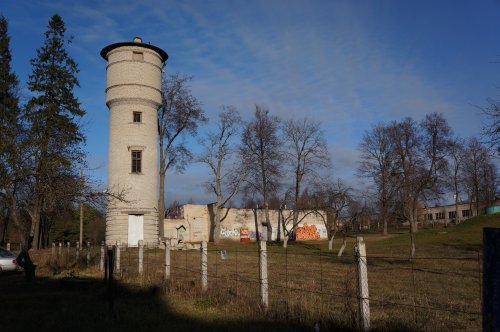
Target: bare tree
377	163
359	214
306	153
180	113
456	155
334	198
479	174
227	173
261	151
420	160
491	127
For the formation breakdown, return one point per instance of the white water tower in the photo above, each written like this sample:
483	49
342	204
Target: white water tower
133	96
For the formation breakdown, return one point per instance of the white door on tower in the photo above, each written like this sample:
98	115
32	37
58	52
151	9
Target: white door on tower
135	229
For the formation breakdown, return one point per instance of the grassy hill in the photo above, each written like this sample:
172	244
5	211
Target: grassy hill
462	239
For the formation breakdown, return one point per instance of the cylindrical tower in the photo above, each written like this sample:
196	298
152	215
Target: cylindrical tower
133	96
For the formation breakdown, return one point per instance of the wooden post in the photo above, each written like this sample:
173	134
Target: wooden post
141	257
491	279
264	287
204	266
53	253
363	296
117	254
167	259
88	254
101	266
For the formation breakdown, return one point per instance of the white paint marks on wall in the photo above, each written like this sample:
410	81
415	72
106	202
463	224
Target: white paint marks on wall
225	232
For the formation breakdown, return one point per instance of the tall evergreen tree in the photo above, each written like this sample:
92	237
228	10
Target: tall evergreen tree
52	114
9	131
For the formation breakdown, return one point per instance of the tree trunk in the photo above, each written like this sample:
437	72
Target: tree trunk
384	217
384	232
413	217
34	237
257	235
278	232
268	222
216	231
218	211
161	205
412	239
330	242
285	240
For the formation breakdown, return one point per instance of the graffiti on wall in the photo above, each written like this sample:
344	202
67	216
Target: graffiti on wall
226	232
307	232
322	231
253	235
244	236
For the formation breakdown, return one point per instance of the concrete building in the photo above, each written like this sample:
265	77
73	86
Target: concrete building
191	223
446	214
133	96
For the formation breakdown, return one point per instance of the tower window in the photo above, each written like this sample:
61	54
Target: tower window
136	161
138	56
137	116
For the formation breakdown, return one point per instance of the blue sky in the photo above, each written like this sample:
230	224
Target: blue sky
348	64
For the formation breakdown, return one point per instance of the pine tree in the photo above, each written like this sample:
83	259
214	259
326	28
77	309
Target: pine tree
52	114
9	130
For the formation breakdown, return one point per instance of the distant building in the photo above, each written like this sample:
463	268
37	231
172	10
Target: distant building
448	213
192	222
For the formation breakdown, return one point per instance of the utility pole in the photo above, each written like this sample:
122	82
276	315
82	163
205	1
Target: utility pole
81	206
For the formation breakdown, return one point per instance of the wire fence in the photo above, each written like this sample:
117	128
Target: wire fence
424	293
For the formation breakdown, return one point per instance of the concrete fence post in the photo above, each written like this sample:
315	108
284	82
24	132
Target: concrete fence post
204	266
109	265
68	244
8	246
491	279
117	258
363	296
88	254
264	286
103	254
167	260
59	252
53	253
141	257
77	251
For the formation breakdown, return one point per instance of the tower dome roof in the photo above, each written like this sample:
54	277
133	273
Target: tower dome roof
107	49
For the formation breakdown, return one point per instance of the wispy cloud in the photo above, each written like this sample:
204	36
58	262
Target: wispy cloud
346	64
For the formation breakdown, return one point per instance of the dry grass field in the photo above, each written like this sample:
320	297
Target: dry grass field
439	290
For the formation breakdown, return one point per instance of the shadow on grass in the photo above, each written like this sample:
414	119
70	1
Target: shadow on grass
464	247
83	305
74	304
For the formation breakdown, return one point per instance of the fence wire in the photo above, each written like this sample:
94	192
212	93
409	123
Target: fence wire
429	293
